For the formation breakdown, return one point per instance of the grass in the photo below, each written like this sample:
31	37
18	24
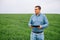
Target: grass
15	27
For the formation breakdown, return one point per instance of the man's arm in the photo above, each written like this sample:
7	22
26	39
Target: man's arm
45	22
30	22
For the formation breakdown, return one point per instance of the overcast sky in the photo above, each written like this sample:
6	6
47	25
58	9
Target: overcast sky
27	6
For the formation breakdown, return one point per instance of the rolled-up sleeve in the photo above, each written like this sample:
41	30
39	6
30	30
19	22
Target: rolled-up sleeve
45	22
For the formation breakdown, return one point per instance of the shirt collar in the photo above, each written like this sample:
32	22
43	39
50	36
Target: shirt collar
38	14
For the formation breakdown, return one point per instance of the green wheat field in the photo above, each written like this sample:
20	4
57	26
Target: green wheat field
15	27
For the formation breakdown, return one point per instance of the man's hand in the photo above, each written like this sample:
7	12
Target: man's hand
39	27
31	27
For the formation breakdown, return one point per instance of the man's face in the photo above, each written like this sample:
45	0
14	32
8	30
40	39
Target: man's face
37	10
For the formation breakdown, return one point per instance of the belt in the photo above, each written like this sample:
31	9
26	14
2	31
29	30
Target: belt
38	32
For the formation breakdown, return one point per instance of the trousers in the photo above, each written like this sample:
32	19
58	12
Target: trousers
37	36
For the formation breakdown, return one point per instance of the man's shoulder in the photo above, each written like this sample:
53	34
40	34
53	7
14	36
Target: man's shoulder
32	15
43	15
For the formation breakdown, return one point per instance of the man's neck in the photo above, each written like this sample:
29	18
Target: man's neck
37	14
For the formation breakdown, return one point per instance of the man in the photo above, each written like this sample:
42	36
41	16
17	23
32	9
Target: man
38	22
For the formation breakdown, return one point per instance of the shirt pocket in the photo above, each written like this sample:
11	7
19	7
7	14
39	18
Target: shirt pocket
34	20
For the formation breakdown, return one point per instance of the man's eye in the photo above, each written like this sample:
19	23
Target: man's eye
35	9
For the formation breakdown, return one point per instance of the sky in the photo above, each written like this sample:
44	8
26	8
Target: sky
27	6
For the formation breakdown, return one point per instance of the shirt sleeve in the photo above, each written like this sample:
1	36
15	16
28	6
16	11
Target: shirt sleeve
45	22
30	22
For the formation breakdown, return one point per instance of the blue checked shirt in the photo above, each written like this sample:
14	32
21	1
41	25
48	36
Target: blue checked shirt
38	20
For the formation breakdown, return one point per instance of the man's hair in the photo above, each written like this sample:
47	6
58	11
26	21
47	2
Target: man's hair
39	7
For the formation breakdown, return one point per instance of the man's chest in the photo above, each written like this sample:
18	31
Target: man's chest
38	19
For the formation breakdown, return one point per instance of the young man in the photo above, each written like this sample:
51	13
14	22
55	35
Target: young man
38	22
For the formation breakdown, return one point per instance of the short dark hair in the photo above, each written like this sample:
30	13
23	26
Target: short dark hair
39	7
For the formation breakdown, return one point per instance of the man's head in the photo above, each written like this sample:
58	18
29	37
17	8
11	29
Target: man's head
37	9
